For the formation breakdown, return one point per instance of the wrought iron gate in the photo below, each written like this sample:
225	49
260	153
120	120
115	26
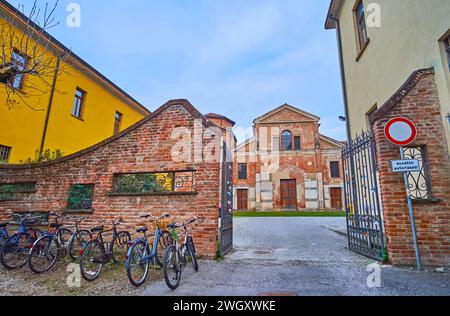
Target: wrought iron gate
226	216
364	220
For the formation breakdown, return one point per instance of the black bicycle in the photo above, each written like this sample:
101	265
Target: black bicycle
97	252
179	254
78	239
50	247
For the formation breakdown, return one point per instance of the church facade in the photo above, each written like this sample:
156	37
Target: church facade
288	165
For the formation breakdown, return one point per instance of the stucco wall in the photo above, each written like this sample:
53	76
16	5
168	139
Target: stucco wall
407	41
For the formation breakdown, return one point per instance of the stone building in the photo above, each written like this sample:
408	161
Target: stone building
288	165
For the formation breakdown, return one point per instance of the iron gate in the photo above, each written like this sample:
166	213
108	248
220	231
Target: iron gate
226	209
364	220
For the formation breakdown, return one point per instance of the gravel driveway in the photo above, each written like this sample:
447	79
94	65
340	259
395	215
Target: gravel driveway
298	256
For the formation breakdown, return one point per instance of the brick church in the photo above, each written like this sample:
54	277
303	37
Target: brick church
288	165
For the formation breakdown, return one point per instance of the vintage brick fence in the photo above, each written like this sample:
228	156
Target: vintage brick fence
191	186
418	101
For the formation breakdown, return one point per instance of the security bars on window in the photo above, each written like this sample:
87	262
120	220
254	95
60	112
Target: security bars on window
154	183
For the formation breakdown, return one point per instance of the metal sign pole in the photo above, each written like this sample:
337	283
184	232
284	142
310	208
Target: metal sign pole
411	215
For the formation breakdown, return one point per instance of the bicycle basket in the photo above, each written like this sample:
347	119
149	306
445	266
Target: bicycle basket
162	223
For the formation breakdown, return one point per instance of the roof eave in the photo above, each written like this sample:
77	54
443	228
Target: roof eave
335	6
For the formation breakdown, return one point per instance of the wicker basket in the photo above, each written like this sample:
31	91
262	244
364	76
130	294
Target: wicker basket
163	223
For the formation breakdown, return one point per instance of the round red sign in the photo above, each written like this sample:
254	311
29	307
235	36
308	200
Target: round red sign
400	131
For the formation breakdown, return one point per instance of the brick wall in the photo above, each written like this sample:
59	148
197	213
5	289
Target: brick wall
145	147
418	101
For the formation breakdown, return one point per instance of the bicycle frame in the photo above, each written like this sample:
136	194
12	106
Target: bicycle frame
153	254
23	229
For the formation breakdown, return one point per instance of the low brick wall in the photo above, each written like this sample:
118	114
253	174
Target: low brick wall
418	101
144	147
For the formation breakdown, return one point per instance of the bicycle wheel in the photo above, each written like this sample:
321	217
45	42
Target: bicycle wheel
164	242
14	253
44	254
137	266
77	242
172	268
64	235
119	247
191	253
91	260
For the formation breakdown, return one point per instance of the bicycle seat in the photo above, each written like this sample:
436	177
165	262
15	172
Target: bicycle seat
3	224
55	225
142	230
97	229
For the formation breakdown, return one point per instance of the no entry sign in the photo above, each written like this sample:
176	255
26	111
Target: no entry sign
400	131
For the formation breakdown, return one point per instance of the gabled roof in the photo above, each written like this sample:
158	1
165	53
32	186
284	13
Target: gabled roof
222	117
73	58
183	102
332	141
335	7
245	143
290	107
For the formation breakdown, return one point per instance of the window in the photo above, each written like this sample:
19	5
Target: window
170	182
297	143
360	21
242	171
117	122
80	197
78	103
447	49
9	191
334	169
419	182
276	143
4	153
286	140
20	62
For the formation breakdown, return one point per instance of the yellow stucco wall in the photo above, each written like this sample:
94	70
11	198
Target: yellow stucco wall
22	127
408	40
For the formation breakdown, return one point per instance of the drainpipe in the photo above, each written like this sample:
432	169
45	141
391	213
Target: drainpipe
49	107
354	198
344	82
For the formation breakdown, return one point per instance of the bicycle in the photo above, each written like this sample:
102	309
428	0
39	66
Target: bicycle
96	252
141	252
50	247
3	233
15	250
178	255
78	239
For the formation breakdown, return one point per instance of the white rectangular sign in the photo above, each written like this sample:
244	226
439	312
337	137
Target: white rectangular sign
409	165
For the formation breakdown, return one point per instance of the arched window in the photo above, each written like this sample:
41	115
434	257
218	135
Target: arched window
286	140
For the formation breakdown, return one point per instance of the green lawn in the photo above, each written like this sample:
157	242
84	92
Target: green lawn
289	214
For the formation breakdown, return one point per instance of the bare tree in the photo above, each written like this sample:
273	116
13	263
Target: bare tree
27	51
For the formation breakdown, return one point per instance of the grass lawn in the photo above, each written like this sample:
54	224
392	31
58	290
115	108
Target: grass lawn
289	214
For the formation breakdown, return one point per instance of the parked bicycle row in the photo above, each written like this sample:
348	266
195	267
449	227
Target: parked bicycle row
161	243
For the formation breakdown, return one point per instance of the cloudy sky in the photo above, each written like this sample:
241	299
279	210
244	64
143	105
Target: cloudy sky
239	58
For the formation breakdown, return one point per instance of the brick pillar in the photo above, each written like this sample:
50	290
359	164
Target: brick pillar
418	101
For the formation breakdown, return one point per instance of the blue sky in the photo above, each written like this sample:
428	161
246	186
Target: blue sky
239	58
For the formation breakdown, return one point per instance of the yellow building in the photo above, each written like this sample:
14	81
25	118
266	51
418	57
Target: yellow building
70	108
383	43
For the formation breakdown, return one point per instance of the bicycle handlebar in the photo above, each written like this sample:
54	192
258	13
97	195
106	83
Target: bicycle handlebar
155	218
